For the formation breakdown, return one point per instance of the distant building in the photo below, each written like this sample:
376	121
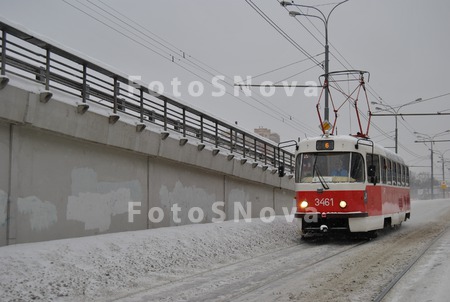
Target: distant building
267	133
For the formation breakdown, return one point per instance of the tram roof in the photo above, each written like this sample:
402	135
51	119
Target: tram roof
348	143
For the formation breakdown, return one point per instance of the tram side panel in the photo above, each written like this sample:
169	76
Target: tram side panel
374	210
385	205
396	204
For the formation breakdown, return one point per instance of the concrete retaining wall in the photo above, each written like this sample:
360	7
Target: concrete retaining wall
65	174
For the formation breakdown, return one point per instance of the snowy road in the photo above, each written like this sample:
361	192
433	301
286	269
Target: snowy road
242	279
429	278
317	271
230	262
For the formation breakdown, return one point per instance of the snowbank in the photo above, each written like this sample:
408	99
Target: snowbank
95	267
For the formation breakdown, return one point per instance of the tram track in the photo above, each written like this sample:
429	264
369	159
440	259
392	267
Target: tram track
292	272
380	297
184	278
241	278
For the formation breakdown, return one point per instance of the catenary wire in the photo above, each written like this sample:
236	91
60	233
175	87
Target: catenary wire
286	118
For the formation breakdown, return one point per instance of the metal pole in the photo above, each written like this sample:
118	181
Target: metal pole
443	176
396	135
325	21
326	109
327	55
432	174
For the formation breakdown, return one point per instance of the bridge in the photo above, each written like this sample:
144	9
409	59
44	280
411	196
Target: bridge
85	151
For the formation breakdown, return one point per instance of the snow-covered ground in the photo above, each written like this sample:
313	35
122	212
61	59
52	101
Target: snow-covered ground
429	279
82	269
249	261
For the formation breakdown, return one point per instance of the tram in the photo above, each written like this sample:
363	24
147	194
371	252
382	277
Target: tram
349	184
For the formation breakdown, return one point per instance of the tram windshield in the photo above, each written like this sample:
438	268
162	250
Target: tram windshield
330	167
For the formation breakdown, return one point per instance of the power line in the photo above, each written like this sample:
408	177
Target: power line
296	74
280	31
285	117
206	71
370	90
284	66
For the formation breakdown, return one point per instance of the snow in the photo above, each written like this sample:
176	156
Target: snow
97	267
429	278
232	258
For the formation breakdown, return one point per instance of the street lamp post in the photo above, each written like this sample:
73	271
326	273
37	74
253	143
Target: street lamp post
325	22
431	140
443	171
395	113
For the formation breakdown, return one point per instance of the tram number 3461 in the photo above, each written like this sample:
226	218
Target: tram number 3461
326	202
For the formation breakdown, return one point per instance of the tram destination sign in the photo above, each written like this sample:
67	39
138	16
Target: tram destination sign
325	145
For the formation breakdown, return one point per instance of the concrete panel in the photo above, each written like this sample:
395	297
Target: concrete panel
283	201
4	181
180	190
247	198
64	188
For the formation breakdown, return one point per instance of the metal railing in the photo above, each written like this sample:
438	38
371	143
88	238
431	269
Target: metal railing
29	57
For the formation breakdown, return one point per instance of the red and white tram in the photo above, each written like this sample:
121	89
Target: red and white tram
349	184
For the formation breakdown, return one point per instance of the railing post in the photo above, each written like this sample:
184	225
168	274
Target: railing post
243	145
290	162
3	66
201	128
165	115
254	147
84	88
231	139
275	156
141	103
265	153
217	134
47	70
116	91
184	122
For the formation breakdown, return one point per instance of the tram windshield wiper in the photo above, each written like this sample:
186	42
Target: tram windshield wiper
319	175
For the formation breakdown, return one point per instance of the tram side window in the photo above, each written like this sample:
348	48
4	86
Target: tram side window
407	176
375	161
389	172
305	164
394	173
357	167
403	175
383	170
298	162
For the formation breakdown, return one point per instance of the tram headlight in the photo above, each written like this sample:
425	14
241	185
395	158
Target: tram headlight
303	204
343	204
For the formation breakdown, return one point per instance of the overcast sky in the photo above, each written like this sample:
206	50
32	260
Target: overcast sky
404	45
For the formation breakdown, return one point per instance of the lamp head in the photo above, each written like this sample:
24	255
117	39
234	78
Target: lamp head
294	13
285	3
